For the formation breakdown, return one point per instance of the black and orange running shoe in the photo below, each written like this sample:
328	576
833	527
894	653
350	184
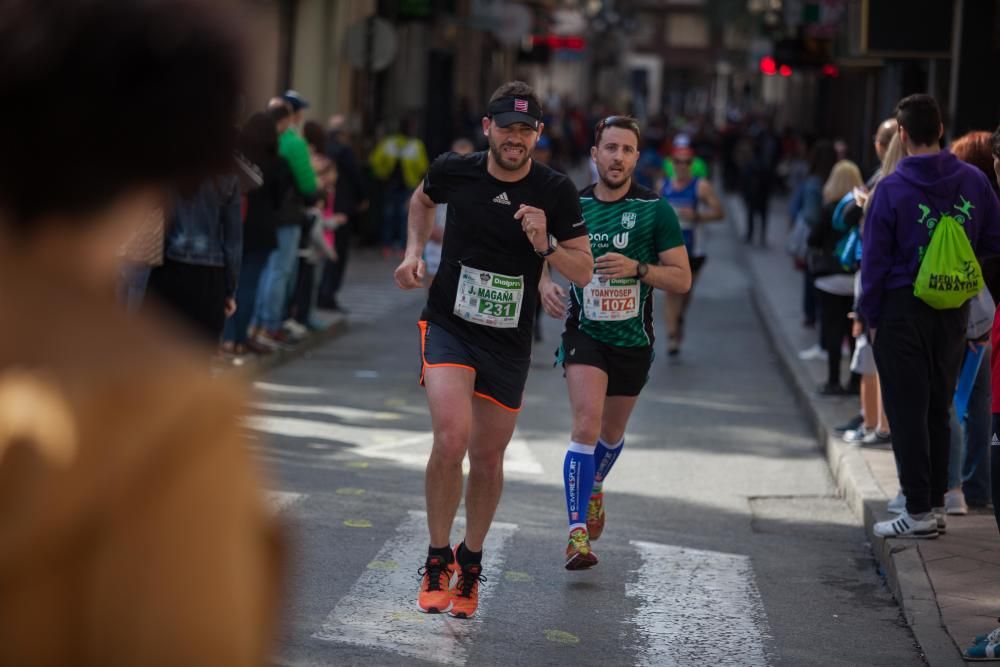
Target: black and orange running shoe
435	587
465	594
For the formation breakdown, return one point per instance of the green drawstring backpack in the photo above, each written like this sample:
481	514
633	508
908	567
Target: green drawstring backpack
949	274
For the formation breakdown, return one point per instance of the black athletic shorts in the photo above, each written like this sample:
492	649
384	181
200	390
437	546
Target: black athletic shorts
499	378
627	367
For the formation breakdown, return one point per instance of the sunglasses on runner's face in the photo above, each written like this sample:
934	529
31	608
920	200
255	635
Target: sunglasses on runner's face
624	122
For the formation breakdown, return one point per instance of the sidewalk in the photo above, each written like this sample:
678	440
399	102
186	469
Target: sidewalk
948	588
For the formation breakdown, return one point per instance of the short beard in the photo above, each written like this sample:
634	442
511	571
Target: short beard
505	164
612	186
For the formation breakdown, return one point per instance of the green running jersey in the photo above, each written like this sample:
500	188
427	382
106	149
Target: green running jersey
640	226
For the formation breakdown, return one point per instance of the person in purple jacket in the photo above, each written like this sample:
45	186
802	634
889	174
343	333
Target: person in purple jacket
918	350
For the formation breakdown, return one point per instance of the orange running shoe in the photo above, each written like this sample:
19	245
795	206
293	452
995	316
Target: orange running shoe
435	587
465	594
579	555
595	516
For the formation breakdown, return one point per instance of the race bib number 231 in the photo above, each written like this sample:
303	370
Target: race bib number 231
488	298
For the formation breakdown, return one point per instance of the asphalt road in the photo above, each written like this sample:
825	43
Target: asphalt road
725	543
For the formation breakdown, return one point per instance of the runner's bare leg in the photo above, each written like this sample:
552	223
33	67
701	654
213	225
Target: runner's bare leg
449	395
492	429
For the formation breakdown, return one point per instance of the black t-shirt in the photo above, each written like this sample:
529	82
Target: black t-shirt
486	253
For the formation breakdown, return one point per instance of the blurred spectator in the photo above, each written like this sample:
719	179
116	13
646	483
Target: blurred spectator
398	162
318	233
274	289
918	349
968	469
259	143
835	284
132	527
351	201
758	177
140	255
804	210
202	255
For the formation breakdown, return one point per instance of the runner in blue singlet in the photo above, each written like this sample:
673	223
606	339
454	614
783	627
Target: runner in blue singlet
695	201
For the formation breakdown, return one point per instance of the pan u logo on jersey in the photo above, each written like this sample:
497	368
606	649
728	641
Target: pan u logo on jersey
620	240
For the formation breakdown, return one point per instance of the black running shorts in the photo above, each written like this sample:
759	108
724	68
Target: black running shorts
627	367
499	378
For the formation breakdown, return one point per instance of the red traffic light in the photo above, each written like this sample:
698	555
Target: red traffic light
768	66
785	70
831	70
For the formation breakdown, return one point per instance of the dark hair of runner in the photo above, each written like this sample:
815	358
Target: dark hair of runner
515	89
113	94
920	116
621	122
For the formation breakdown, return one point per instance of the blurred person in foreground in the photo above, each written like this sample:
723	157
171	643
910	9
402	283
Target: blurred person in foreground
132	527
919	348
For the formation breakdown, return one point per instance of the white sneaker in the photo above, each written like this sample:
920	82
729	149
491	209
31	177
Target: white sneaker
898	504
814	353
294	329
954	502
856	435
906	526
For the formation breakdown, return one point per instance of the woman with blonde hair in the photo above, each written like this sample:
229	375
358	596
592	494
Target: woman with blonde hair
834	282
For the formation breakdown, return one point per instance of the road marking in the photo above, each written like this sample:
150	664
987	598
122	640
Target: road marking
697	608
518	577
397	445
561	637
281	501
358	523
273	388
349	491
338	411
380	609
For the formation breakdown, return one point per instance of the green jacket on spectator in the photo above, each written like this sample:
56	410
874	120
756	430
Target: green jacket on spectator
293	148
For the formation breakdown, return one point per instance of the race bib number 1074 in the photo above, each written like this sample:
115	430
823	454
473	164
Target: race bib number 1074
611	300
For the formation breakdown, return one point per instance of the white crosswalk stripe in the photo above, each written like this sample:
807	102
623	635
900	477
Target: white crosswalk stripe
281	501
697	608
380	610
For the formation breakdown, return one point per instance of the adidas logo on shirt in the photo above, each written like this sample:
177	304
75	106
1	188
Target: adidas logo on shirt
501	199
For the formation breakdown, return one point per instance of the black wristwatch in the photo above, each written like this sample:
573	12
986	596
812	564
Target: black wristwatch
641	270
553	245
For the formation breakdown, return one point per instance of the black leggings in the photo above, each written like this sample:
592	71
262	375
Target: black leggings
834	328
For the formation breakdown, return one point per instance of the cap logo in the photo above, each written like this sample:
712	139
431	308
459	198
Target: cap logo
521	105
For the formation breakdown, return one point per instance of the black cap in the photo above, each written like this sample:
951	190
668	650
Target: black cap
297	101
513	109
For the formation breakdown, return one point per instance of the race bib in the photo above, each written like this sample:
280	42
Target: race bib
611	300
490	299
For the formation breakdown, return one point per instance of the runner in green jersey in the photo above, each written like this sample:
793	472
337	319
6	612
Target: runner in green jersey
607	344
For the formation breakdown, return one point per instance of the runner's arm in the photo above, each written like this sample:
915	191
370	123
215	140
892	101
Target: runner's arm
673	273
574	260
707	196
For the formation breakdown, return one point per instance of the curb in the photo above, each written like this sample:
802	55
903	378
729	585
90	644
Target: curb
256	366
900	561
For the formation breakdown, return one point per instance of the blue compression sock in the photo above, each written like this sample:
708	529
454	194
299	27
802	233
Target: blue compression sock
604	458
578	480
